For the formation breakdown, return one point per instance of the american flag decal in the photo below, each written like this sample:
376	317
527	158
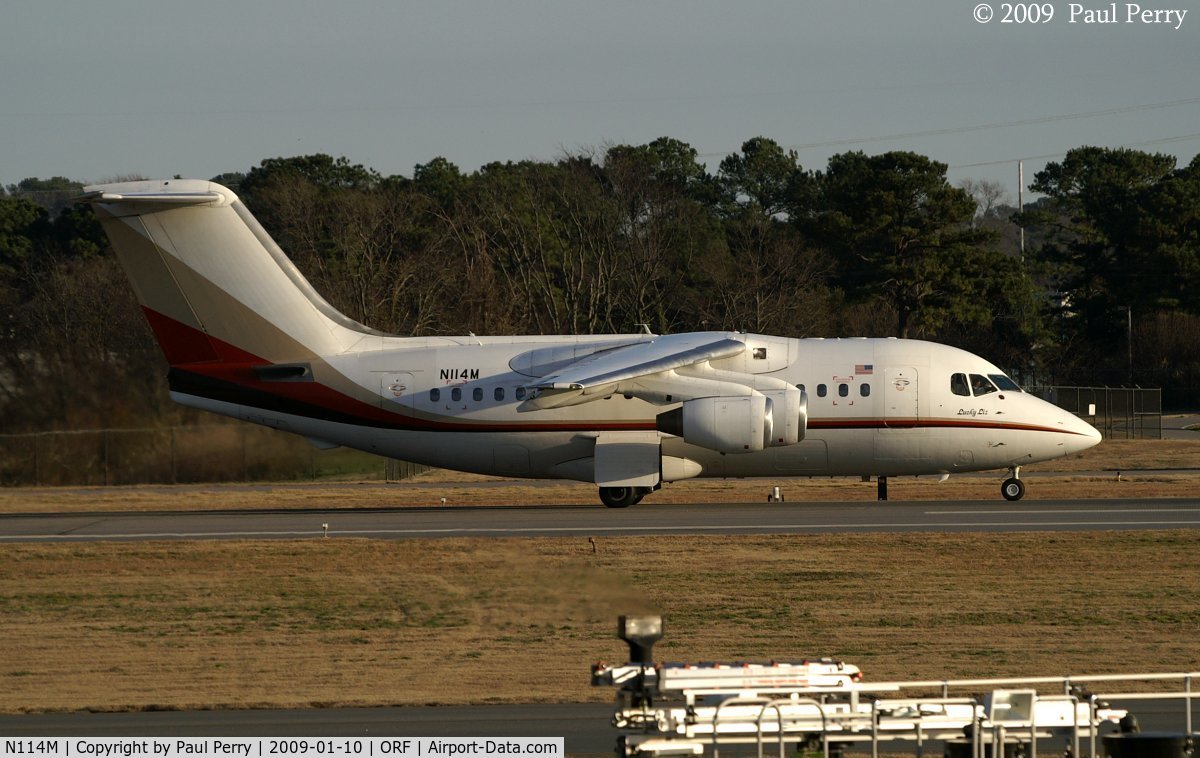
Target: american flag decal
864	368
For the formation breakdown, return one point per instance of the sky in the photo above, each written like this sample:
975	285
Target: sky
157	88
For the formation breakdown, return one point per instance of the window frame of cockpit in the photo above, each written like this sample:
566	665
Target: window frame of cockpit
1001	380
987	388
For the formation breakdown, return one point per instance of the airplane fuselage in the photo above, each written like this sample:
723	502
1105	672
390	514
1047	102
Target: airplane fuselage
882	407
247	336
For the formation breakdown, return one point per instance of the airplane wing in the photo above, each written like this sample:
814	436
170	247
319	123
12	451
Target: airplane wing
717	408
600	374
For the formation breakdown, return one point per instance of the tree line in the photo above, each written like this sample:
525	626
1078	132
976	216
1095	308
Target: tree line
609	239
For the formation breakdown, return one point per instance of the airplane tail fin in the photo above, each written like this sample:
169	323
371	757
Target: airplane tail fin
213	284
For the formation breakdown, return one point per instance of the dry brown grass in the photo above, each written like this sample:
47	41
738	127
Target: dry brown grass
243	624
1089	475
347	621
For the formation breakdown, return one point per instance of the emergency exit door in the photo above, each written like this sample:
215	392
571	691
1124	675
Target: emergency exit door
396	390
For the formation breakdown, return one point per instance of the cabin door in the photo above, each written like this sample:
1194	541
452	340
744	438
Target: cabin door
900	406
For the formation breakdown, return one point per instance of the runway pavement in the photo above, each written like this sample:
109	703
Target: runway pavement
595	521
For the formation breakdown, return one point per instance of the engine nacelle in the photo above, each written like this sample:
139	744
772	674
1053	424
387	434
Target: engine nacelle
740	424
789	412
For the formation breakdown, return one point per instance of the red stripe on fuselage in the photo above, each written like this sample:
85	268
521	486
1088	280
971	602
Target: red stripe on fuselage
228	364
233	367
180	342
929	423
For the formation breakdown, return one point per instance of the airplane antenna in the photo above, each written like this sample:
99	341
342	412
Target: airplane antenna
645	328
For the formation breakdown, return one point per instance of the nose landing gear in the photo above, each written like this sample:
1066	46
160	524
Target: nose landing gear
1013	488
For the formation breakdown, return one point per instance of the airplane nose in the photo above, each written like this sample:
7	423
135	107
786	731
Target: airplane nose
1083	435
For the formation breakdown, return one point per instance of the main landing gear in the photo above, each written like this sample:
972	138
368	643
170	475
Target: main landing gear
1013	488
623	497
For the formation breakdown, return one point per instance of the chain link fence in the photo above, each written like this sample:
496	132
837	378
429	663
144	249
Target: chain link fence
245	452
1118	412
182	454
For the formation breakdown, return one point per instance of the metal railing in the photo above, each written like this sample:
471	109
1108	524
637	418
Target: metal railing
839	715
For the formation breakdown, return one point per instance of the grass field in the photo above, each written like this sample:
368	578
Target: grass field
115	626
1091	474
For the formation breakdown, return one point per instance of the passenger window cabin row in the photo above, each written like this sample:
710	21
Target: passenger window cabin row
843	390
961	384
498	394
456	394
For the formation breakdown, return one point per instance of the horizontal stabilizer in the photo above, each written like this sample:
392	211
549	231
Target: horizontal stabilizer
163	198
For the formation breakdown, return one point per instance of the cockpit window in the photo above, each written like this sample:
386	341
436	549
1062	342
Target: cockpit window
959	386
1004	383
980	385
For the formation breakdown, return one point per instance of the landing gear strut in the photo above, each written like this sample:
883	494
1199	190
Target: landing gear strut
622	497
1013	488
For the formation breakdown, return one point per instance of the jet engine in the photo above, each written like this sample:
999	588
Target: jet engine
788	409
742	424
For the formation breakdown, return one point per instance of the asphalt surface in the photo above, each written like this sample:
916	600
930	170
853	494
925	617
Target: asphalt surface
645	518
1176	426
585	727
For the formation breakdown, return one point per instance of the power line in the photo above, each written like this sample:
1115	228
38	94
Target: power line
1048	156
1002	124
996	125
1166	140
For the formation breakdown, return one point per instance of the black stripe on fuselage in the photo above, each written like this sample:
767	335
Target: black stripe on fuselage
358	413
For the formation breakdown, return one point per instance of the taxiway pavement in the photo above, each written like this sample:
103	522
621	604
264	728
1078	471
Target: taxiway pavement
646	518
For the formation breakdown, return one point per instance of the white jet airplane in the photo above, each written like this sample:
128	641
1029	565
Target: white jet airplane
247	336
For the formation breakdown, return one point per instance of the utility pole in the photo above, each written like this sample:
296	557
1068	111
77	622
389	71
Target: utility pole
1129	339
1021	201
